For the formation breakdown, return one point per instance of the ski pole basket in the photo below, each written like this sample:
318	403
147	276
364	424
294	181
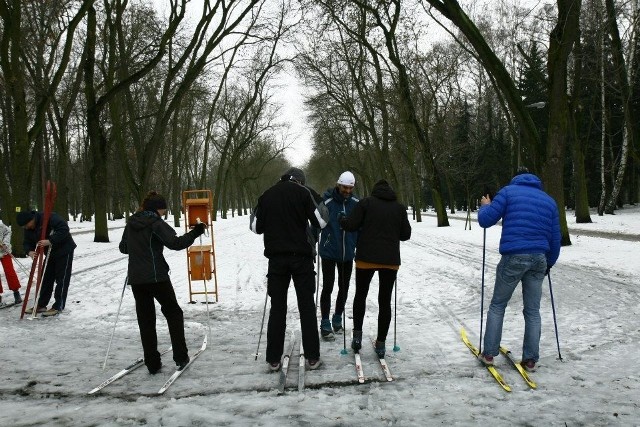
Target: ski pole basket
197	207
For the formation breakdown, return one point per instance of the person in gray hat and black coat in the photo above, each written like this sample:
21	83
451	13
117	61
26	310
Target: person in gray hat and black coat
283	215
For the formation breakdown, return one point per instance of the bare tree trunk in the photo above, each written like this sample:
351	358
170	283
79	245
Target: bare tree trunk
578	153
627	106
603	127
561	43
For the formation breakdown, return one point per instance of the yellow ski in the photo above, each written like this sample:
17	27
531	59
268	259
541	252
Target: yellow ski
494	372
506	353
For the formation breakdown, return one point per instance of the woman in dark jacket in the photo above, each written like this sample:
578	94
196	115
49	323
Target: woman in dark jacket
144	238
383	223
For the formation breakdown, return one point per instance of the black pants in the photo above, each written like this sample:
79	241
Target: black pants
281	270
144	295
328	277
387	278
58	271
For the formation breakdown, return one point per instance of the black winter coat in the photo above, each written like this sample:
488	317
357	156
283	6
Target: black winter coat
144	239
382	222
57	233
283	214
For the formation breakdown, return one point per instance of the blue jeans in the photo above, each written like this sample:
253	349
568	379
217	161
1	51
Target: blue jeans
528	268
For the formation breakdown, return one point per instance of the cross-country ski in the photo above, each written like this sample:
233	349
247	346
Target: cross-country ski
172	379
132	367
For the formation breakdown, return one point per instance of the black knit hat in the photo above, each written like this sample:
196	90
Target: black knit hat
24	217
153	202
294	174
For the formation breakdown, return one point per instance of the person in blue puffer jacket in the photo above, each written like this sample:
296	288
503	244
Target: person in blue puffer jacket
530	246
337	250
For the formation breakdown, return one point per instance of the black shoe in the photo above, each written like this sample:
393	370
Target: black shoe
356	343
181	365
325	330
336	322
154	369
380	349
314	363
274	366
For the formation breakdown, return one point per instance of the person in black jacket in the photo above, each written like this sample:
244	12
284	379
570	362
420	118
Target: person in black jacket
144	238
59	251
383	223
283	215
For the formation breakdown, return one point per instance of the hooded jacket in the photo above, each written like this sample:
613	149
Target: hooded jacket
530	218
57	233
331	243
144	239
382	222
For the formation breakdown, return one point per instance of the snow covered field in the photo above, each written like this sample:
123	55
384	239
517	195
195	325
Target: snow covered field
48	365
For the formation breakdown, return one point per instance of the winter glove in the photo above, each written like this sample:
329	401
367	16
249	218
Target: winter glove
546	272
199	229
342	218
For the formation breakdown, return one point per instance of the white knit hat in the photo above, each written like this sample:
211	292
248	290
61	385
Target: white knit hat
347	178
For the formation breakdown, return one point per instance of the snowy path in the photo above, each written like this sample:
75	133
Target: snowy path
50	364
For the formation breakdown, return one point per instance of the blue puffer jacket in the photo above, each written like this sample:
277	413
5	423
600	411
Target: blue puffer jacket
331	237
530	218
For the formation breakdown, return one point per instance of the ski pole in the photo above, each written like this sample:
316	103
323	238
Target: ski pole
484	250
344	311
396	347
34	266
555	323
104	364
264	311
318	277
34	313
22	267
206	292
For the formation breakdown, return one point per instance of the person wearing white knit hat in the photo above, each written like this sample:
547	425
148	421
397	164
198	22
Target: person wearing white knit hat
337	250
347	179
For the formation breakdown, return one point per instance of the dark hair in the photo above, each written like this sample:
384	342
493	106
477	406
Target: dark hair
522	170
153	201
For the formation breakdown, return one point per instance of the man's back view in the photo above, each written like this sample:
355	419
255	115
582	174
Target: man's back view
283	215
529	245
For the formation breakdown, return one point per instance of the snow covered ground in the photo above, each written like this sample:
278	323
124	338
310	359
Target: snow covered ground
48	365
